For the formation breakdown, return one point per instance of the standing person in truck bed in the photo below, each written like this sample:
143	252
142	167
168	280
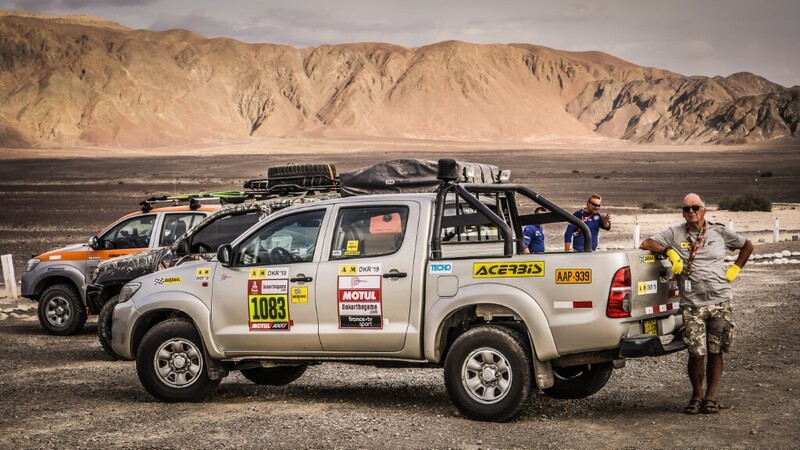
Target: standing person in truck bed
697	251
590	215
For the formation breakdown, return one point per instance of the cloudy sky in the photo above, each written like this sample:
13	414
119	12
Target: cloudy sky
691	37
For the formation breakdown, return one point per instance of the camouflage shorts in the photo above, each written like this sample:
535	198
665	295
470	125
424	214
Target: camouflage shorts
708	329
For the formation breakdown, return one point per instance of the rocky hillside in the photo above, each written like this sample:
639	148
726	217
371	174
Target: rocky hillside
78	80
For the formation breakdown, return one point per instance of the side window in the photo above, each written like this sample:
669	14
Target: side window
286	240
132	233
463	223
222	231
368	232
176	225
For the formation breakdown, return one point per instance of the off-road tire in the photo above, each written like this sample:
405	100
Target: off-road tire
274	376
171	363
302	175
487	373
61	310
574	382
104	322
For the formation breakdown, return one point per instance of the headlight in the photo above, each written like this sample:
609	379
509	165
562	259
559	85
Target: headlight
128	290
32	263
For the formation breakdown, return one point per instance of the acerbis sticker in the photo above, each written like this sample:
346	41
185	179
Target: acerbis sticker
648	287
509	269
359	294
167	280
268	299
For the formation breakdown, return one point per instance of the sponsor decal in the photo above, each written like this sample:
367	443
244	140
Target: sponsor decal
225	276
509	269
648	287
440	268
55	257
167	280
686	244
647	259
203	274
268	299
359	292
352	248
299	294
573	276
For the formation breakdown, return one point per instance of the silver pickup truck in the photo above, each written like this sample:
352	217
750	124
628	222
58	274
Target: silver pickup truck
411	279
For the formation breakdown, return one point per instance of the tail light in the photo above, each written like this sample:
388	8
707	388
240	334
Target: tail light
619	296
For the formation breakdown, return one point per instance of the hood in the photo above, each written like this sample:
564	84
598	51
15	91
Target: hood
65	253
133	266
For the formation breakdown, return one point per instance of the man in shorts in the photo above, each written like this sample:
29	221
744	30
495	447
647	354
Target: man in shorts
697	249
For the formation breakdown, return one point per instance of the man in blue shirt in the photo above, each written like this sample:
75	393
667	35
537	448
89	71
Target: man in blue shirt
534	235
590	215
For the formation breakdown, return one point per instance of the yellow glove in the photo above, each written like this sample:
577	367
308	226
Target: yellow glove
732	273
677	261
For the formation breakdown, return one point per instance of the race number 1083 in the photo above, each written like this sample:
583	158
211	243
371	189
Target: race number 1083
268	308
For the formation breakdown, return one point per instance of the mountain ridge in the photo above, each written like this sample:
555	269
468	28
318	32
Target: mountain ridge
85	81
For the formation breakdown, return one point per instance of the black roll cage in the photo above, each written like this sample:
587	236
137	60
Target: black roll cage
468	192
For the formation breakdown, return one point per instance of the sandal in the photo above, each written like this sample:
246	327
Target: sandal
710	407
693	407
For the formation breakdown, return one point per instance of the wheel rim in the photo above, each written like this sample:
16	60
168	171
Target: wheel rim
178	363
486	375
58	311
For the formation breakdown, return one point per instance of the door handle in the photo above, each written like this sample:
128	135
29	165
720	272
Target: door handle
303	279
395	275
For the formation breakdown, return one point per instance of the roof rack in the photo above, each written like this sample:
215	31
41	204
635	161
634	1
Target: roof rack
194	201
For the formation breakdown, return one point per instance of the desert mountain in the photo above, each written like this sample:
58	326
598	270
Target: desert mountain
79	80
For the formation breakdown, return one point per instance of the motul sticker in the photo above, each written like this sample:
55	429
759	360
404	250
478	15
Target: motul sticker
359	296
268	300
509	269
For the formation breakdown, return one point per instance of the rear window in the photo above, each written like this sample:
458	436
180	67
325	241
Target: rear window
222	231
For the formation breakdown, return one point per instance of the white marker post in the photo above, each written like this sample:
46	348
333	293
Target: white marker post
775	231
636	232
730	225
8	276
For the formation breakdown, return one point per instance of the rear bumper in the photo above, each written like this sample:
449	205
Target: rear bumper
649	345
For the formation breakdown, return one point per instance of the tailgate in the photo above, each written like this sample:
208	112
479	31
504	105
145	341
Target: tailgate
654	294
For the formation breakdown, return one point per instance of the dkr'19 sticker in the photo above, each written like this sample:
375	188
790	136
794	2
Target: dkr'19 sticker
359	294
268	299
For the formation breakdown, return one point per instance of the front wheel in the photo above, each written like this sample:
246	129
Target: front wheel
573	382
274	376
171	363
487	373
104	322
61	310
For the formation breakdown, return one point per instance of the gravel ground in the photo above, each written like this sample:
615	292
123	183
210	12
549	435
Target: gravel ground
58	392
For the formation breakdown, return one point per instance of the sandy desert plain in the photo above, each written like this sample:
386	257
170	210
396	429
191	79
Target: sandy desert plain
58	392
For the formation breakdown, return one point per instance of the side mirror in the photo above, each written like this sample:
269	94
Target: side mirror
94	243
224	255
182	246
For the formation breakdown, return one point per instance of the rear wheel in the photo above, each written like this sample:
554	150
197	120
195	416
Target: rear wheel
573	382
171	363
61	310
104	322
274	376
487	373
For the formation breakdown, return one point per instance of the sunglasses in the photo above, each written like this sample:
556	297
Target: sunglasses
694	208
594	204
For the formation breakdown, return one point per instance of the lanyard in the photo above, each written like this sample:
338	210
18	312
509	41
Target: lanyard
695	246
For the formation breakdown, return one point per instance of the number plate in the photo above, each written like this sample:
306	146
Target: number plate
650	327
573	276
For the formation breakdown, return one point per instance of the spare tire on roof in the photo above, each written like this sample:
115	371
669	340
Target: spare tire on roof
296	178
